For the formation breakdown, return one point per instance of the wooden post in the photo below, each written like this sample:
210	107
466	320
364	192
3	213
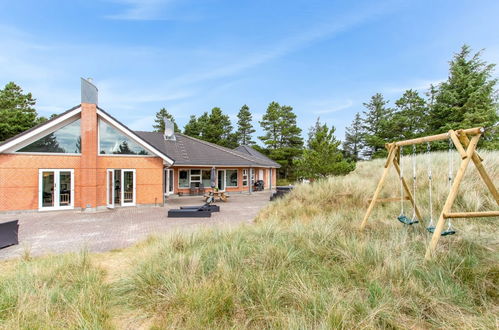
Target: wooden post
389	161
408	192
452	196
477	160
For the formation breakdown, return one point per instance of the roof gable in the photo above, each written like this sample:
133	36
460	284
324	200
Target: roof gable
40	130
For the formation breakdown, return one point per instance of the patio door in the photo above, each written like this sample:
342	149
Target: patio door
221	180
55	189
121	187
169	184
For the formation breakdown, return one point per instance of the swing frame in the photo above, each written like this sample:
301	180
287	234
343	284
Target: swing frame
466	148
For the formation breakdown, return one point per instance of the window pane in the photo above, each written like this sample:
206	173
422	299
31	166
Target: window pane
183	179
65	140
128	187
231	178
206	178
48	189
111	141
195	172
65	188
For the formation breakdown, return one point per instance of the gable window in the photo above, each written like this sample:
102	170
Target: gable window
245	178
231	178
113	142
65	140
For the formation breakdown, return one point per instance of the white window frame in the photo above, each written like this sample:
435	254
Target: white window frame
200	175
56	197
133	203
245	177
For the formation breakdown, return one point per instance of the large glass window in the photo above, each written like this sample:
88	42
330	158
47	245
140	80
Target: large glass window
183	179
65	140
231	178
113	142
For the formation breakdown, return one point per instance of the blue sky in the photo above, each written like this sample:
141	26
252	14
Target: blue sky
324	58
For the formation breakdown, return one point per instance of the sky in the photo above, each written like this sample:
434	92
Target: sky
323	58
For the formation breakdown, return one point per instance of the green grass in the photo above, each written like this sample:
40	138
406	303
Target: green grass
304	264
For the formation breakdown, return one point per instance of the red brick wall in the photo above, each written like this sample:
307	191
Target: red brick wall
19	179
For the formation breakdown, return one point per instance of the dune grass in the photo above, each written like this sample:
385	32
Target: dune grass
304	264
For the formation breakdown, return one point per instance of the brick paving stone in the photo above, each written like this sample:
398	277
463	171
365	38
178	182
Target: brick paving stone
71	231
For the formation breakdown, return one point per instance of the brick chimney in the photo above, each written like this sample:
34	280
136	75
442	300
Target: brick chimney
88	164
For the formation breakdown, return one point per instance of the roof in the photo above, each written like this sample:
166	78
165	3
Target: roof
186	150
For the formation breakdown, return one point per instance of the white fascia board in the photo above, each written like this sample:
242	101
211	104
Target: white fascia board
134	137
12	145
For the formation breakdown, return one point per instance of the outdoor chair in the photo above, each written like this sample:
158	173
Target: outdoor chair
201	189
9	233
193	189
207	206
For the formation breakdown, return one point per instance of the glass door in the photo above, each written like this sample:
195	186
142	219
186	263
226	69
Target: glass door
221	180
110	188
55	189
127	187
169	184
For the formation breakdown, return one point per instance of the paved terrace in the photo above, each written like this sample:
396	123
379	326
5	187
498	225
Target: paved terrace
70	231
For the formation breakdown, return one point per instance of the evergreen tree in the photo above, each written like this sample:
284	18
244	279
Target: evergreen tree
468	98
354	139
282	136
377	121
159	125
323	156
192	128
16	111
270	124
244	126
410	117
218	129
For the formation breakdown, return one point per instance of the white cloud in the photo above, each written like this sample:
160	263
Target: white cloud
140	10
329	107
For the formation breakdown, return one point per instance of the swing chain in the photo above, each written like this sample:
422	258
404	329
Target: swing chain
401	186
430	181
414	183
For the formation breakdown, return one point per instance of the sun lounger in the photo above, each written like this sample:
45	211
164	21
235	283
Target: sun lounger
211	208
200	212
8	233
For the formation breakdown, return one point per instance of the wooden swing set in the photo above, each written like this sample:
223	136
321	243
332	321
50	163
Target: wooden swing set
466	148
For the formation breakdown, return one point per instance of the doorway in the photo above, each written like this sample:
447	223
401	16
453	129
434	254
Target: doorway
169	183
121	187
55	189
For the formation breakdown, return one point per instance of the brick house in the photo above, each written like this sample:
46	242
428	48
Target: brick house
86	159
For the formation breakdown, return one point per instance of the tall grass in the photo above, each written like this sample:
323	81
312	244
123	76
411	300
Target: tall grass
304	264
53	293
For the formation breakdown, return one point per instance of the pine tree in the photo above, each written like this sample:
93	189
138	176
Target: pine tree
468	98
17	113
322	156
270	124
410	116
354	139
218	128
377	122
192	128
159	125
244	126
282	136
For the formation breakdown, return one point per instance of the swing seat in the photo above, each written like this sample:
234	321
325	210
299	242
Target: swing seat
406	221
447	232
